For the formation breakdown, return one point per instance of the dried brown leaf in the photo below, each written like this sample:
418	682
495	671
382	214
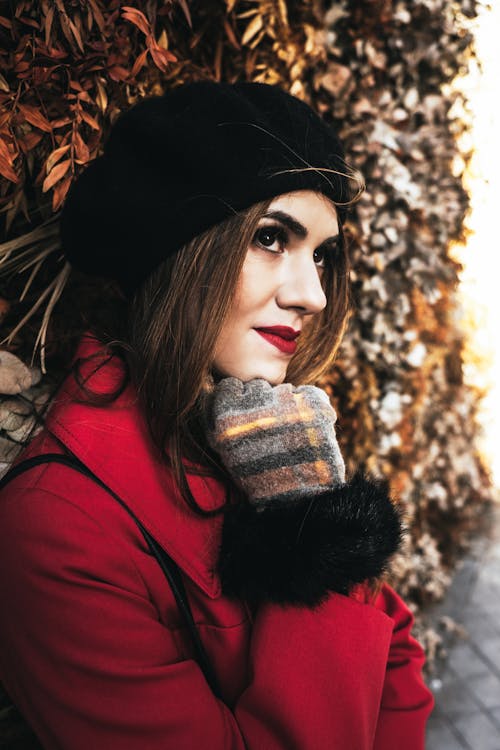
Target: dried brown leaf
31	278
54	157
28	142
35	117
255	41
102	97
248	13
7	171
60	192
283	11
252	29
18	204
65	25
29	22
39	302
89	119
76	34
7	162
83	96
98	17
60	122
138	18
22	66
57	287
162	40
218	60
56	174
230	34
81	148
161	57
117	73
185	10
48	24
139	63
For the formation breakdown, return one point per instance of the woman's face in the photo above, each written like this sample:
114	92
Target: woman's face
279	287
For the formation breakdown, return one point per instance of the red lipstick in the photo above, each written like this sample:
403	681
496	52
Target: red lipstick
282	337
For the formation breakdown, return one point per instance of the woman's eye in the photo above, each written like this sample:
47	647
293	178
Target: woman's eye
268	236
319	257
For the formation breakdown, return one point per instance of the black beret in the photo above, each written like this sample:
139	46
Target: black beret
178	164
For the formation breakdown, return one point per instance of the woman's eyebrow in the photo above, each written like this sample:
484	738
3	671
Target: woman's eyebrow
295	226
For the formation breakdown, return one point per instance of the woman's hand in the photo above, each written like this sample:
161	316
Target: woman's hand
277	442
304	531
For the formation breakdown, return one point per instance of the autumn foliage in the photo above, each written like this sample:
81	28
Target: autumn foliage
381	72
66	69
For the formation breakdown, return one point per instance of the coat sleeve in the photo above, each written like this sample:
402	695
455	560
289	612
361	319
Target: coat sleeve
86	659
406	701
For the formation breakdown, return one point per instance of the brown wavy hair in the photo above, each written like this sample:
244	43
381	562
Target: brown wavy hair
174	321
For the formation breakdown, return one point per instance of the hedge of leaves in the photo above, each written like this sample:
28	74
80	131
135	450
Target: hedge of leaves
381	72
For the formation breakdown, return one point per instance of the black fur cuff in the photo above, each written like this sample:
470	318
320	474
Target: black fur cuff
298	553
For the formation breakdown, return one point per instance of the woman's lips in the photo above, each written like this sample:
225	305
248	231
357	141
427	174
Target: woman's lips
287	346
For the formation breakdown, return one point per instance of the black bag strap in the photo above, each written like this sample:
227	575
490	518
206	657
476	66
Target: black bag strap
168	566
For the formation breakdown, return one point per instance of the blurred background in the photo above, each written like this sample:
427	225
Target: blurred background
412	86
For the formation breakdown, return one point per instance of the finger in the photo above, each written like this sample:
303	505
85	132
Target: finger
258	393
318	399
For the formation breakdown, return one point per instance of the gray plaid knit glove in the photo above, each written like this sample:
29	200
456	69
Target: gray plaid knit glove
302	531
277	442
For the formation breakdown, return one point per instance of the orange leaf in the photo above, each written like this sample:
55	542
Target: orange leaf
48	24
29	22
118	73
35	117
158	59
6	163
90	120
55	175
136	17
60	192
84	97
22	66
54	157
60	122
76	34
64	23
139	63
98	17
161	57
252	29
6	152
230	34
29	141
7	171
81	148
102	97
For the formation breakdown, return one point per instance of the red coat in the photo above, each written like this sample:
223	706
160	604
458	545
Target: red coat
92	648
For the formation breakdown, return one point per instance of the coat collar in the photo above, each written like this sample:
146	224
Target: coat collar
114	442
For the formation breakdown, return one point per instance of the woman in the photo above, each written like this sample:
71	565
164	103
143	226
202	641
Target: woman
217	209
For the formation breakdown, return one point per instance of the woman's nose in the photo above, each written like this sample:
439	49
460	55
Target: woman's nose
301	286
